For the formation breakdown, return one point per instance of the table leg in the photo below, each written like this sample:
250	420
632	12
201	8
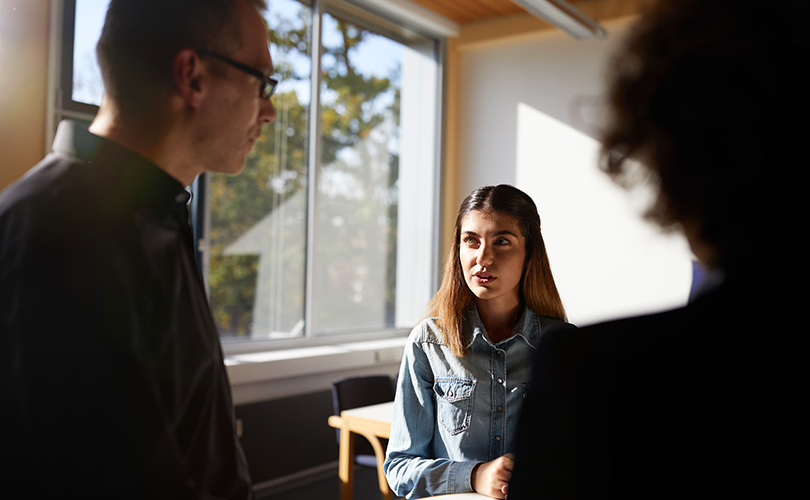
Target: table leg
345	464
379	453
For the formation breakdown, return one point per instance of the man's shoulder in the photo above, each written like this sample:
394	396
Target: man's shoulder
43	185
21	189
52	208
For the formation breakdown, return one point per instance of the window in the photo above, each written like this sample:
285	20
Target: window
331	229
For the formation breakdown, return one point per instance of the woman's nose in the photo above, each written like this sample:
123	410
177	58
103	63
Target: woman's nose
484	257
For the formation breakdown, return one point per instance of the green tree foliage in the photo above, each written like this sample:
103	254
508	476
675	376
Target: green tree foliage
359	114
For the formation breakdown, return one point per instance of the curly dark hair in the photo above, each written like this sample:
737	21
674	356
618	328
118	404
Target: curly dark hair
706	94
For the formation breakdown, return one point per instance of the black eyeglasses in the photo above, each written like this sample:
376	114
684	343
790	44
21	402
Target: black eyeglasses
268	84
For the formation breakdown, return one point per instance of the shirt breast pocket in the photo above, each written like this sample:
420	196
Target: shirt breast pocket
454	398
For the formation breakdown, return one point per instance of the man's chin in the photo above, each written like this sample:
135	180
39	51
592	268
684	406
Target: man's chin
233	169
237	170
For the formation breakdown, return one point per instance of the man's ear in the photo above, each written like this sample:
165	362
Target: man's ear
189	77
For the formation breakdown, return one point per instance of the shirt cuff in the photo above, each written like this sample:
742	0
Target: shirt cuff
461	477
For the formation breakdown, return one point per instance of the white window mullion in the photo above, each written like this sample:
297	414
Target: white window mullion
313	162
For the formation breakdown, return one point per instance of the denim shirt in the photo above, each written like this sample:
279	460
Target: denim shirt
452	413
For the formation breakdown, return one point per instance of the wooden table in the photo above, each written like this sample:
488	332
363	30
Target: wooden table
372	422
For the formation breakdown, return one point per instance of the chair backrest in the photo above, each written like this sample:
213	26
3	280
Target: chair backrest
354	392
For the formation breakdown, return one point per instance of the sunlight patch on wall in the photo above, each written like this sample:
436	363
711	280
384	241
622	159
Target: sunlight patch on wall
608	263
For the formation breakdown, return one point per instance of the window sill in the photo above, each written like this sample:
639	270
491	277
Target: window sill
262	376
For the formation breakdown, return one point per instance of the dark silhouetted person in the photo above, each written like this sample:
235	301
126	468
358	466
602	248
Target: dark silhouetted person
705	400
112	383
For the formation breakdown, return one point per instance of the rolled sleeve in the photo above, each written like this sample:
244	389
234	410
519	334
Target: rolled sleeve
412	466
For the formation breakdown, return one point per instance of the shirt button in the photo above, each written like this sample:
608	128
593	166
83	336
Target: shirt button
497	438
500	380
500	408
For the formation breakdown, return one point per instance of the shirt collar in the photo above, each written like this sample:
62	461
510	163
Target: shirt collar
527	328
128	175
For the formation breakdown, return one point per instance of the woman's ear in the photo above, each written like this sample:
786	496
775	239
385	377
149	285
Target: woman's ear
189	77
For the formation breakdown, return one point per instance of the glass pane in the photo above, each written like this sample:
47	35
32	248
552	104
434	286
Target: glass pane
258	218
356	232
87	85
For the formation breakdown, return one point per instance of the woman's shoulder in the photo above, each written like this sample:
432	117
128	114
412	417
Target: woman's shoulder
426	332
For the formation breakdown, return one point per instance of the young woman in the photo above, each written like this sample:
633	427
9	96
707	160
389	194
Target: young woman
466	368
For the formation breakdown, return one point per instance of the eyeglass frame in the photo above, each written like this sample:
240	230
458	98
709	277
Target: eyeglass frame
267	82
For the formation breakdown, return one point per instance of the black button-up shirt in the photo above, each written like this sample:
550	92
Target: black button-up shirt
112	382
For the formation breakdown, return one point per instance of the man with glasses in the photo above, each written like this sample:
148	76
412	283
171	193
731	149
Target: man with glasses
112	379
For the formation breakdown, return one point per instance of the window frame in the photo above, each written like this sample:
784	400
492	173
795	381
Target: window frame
370	14
60	70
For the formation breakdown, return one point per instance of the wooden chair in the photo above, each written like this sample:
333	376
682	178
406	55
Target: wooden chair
356	392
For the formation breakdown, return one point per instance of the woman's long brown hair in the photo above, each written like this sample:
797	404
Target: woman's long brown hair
537	288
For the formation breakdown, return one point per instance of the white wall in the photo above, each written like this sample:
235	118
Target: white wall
529	114
23	72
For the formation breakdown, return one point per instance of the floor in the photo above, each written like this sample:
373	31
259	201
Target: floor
365	488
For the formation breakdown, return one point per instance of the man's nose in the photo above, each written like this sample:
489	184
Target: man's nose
267	112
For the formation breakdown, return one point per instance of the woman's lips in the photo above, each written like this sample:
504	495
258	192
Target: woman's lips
483	278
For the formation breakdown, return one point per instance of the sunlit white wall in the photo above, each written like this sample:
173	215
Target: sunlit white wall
530	115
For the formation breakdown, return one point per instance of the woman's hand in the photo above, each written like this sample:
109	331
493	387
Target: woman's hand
492	478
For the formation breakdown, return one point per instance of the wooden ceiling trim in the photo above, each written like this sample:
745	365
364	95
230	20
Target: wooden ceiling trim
500	31
464	11
521	27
